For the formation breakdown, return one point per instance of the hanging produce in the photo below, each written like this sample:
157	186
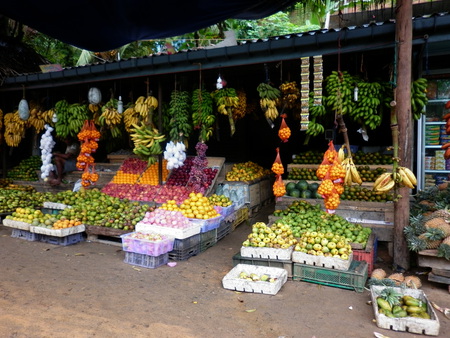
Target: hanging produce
145	106
147	142
279	189
179	112
290	94
277	166
198	178
110	118
94	96
227	100
419	97
351	173
46	146
175	154
203	117
70	118
366	110
130	117
339	87
304	93
284	132
14	129
317	79
269	99
24	109
88	135
38	118
241	109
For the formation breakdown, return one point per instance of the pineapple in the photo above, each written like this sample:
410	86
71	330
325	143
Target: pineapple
416	244
413	282
378	274
398	278
444	248
439	223
433	237
391	296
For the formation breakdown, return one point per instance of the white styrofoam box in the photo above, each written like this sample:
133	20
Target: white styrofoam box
410	324
53	205
271	253
16	224
232	281
173	232
322	261
58	232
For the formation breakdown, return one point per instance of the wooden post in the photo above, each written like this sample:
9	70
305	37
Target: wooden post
405	126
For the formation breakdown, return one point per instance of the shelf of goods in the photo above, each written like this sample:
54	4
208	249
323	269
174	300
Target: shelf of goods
377	215
440	267
432	167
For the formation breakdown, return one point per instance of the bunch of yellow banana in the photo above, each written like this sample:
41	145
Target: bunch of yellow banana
14	129
385	182
290	94
35	120
70	118
269	99
227	100
147	142
47	116
241	109
351	173
144	104
269	108
408	179
130	117
94	108
110	115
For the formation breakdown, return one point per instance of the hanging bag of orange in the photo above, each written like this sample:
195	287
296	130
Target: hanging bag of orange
278	187
277	166
284	132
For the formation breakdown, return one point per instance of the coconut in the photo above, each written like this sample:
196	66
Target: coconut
378	274
413	282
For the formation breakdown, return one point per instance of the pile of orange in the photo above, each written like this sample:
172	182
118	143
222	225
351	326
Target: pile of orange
64	222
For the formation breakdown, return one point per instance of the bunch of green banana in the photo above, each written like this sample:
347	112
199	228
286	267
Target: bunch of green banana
203	117
290	94
269	99
130	117
226	100
14	129
418	97
339	88
145	106
351	173
147	142
367	110
314	128
316	110
179	112
70	118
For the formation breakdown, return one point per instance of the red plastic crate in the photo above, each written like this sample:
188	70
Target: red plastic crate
369	254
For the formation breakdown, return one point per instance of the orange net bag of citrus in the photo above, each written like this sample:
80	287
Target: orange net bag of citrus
277	166
284	132
278	187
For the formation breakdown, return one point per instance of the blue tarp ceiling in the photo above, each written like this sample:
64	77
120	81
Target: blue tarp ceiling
100	25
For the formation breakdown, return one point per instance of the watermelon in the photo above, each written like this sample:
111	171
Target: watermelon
302	185
295	193
290	186
306	194
313	186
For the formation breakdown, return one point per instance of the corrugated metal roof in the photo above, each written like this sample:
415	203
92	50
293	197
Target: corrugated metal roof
372	36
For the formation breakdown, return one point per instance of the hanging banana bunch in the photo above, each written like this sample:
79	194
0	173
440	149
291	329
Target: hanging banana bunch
147	142
70	118
290	94
339	87
145	106
269	99
130	117
226	101
241	110
14	129
419	97
179	112
366	109
203	117
110	118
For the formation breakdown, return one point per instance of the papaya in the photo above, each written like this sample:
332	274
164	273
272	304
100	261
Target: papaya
424	315
384	304
396	308
414	309
413	302
401	314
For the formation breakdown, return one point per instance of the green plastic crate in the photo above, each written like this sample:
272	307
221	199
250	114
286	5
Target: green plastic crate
354	278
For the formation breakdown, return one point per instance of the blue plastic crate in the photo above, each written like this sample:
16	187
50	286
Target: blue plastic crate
208	239
24	234
185	253
186	243
64	241
223	230
146	261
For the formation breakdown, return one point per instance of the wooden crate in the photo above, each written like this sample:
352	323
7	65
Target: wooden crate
379	216
440	267
105	235
266	191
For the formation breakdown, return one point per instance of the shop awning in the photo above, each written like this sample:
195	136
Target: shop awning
100	25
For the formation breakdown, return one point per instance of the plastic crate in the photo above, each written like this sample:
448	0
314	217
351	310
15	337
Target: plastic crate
145	246
51	211
24	234
271	253
369	255
64	241
223	230
207	224
241	216
186	243
224	211
354	278
185	253
146	261
275	263
208	239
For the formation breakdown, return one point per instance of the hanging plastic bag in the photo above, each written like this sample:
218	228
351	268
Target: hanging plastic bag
284	132
277	166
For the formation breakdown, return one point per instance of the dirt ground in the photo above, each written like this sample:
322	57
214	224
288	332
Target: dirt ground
86	290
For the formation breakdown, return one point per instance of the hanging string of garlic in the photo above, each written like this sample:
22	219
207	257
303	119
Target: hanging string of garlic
175	154
46	146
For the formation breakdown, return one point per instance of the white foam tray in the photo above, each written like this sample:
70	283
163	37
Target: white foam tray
58	206
322	261
231	281
271	253
16	224
58	232
176	233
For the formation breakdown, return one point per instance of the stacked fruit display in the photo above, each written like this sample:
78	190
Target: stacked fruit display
198	206
396	305
302	174
132	192
10	199
246	171
302	189
26	170
357	193
359	157
277	235
220	200
320	244
166	218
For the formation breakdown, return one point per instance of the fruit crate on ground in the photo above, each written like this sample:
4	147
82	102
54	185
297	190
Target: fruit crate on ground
24	234
232	280
440	267
64	241
145	246
185	248
223	230
322	261
275	263
58	232
241	217
270	253
369	253
354	278
208	239
146	261
410	324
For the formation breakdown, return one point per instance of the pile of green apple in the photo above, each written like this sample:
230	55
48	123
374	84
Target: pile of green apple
11	199
34	217
253	277
324	244
277	236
